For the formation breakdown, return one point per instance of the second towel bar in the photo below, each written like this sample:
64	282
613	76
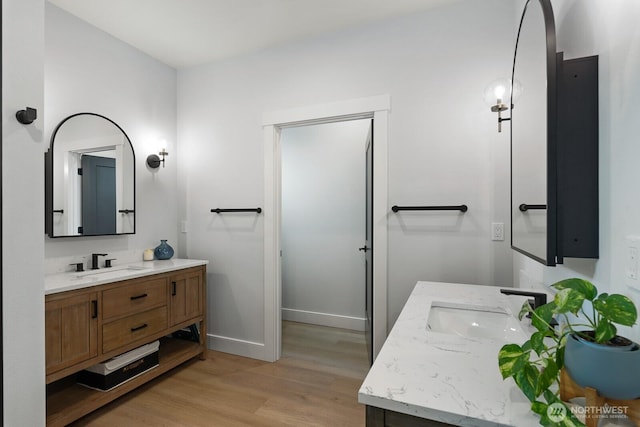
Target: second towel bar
218	210
461	208
524	207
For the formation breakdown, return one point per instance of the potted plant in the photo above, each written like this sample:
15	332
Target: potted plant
585	343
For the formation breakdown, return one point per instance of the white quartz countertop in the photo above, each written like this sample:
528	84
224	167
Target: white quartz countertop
68	281
445	377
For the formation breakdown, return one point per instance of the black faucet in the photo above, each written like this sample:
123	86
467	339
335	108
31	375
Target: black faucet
539	298
94	261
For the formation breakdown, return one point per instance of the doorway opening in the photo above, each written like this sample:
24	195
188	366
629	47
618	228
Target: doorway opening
374	109
323	228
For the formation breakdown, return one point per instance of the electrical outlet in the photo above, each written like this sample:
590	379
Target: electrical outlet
183	226
632	269
497	231
633	252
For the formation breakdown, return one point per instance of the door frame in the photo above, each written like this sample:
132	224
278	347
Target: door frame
376	108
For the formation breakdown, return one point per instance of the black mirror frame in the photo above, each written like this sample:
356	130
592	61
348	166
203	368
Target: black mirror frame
48	173
552	133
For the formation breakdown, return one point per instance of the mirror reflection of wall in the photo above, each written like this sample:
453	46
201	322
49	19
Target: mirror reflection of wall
529	130
92	177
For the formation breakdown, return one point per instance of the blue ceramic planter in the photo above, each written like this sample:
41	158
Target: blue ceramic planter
613	371
163	250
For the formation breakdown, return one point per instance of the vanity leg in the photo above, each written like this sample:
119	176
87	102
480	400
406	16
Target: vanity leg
375	417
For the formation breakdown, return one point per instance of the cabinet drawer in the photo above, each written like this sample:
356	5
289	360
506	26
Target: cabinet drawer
132	328
134	298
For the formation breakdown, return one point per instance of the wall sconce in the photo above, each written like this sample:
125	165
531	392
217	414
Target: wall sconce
153	161
497	93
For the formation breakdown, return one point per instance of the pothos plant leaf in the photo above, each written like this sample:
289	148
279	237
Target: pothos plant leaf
568	301
617	308
545	420
537	341
524	310
511	359
540	408
570	419
547	376
559	357
541	316
527	379
605	331
585	287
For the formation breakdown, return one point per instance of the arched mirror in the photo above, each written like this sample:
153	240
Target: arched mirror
554	145
533	134
90	178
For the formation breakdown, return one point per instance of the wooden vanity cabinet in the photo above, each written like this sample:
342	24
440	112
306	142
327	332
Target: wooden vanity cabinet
186	299
71	330
88	326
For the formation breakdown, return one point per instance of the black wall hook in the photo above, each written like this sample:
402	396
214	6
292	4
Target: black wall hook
27	116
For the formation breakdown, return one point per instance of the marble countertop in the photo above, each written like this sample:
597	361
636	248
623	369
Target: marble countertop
55	283
445	377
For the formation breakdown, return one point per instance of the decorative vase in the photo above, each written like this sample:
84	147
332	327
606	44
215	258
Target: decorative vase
163	250
612	371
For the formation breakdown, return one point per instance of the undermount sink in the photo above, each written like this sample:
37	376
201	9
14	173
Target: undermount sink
473	321
110	271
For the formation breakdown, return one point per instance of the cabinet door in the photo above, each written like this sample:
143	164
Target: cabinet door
186	296
71	328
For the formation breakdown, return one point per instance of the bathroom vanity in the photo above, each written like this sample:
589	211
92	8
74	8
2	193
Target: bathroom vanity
439	364
96	315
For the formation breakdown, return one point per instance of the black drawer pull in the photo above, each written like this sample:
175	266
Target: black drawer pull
173	289
139	327
94	309
138	297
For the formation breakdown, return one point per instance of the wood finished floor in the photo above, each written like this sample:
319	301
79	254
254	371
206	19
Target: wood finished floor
315	383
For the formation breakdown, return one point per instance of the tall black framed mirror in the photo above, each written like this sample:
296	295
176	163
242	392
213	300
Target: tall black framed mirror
554	145
533	135
90	178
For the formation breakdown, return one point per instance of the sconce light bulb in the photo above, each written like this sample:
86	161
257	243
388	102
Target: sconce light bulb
499	92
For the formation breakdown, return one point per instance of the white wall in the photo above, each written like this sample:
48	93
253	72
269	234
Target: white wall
22	206
443	148
610	30
323	223
87	70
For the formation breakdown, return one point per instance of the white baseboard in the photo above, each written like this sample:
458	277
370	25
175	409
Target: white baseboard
254	350
324	319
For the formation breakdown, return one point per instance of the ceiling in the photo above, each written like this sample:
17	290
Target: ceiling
185	33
